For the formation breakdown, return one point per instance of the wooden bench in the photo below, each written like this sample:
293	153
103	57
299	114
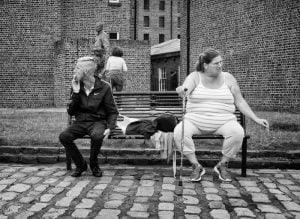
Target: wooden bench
149	105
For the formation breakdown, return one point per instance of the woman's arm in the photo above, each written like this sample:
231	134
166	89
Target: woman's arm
190	83
107	67
241	103
124	66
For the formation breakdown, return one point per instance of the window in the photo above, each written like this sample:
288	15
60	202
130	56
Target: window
161	21
178	22
146	36
161	38
146	21
114	2
146	5
114	36
178	36
161	5
162	79
178	6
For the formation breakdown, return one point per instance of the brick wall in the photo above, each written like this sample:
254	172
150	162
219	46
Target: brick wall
183	43
28	31
259	41
138	60
136	55
41	40
79	18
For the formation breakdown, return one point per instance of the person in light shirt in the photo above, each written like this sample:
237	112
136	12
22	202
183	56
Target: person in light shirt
116	69
212	96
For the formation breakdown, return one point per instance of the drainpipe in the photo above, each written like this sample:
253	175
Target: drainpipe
188	6
135	18
171	28
77	48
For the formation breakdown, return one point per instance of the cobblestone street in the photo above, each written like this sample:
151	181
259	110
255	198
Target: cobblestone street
47	191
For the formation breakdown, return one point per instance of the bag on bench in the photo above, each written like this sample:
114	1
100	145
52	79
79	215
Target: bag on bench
165	122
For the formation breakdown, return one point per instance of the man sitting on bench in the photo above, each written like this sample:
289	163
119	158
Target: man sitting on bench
95	112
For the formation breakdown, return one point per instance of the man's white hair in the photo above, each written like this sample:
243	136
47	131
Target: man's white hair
89	59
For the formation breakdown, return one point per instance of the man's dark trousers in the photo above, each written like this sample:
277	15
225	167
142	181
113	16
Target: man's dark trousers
77	130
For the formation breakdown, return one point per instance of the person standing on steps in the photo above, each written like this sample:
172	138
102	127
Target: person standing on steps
101	47
116	69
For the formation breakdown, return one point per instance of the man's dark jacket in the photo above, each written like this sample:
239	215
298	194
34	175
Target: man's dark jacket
99	105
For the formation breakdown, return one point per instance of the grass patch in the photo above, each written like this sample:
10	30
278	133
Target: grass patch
285	127
42	127
280	137
31	128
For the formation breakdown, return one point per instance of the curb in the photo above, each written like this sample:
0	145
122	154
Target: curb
148	156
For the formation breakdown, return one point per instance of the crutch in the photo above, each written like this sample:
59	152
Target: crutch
182	136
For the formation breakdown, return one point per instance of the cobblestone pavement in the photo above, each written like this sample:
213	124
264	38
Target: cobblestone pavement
47	191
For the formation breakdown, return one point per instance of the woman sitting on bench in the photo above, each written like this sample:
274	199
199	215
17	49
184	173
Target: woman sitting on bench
211	99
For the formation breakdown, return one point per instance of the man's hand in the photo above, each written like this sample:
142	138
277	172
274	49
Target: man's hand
106	133
75	84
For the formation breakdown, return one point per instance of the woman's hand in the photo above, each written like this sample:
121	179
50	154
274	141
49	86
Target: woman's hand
181	91
262	122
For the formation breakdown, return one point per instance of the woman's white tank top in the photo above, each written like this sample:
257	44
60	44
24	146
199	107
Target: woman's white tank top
209	108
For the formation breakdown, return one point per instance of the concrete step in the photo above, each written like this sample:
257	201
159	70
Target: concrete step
149	156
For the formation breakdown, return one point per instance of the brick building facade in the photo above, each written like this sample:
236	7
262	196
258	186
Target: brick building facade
41	40
259	42
136	54
79	18
28	32
158	20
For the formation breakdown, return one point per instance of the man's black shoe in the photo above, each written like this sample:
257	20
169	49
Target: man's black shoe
97	172
78	171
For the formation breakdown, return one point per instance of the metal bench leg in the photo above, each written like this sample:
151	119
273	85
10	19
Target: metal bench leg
244	157
174	163
68	161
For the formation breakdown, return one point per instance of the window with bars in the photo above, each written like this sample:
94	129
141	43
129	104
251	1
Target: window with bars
161	21
178	22
146	5
146	21
162	5
146	36
161	38
162	79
